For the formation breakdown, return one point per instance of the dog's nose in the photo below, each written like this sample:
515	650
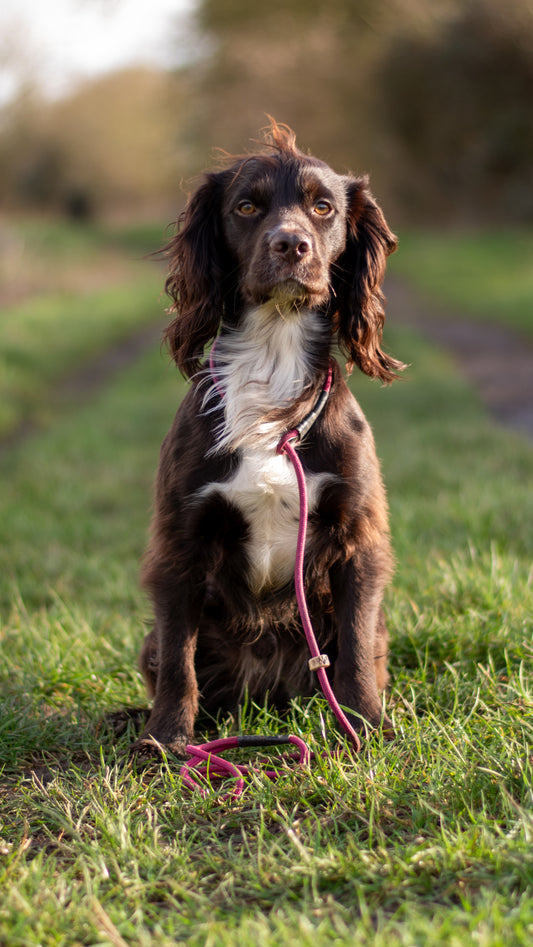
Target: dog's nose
290	244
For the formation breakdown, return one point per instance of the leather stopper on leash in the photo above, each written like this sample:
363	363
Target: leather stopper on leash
321	661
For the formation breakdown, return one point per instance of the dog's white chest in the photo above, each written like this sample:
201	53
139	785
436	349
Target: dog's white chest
265	490
261	367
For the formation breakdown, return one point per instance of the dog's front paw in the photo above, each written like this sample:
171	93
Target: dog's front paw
118	722
367	723
148	750
387	728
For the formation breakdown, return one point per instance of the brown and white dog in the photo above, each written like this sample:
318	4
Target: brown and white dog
283	259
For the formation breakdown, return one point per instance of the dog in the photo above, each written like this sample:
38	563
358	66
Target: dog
280	259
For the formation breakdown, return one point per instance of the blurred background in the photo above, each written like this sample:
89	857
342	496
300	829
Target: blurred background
106	106
109	108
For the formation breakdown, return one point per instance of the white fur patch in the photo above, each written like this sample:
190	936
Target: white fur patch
261	366
265	490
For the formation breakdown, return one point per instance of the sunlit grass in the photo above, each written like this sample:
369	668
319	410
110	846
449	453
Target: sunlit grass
422	841
425	840
486	274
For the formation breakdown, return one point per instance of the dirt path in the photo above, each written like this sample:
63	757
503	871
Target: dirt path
497	360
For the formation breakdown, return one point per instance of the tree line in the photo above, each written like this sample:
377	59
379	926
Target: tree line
434	100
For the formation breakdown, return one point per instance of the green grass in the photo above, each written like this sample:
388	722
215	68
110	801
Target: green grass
59	243
45	340
88	307
422	841
488	275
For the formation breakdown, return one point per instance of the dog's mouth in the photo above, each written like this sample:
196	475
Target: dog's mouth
297	292
291	290
292	293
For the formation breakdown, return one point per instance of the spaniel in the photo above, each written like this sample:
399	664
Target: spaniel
281	260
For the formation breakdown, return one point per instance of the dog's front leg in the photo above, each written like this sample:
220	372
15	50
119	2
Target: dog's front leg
360	635
168	656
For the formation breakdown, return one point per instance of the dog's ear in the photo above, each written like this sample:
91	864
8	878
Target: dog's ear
357	282
195	275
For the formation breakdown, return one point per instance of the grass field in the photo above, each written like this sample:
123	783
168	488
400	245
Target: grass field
485	275
70	294
423	841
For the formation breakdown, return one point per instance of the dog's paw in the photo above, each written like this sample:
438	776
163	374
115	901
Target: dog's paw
387	728
377	723
146	750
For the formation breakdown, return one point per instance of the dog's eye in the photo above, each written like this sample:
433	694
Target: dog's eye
322	208
246	208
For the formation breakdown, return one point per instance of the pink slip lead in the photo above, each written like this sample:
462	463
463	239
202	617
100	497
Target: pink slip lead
204	759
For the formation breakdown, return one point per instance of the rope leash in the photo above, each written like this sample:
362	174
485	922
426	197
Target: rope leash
318	662
205	760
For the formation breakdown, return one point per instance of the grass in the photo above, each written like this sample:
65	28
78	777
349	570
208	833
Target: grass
95	295
52	250
487	275
423	841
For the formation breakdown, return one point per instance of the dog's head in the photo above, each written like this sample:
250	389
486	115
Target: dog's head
280	225
284	221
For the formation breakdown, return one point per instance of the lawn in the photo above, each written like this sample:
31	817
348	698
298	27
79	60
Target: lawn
69	294
426	840
487	275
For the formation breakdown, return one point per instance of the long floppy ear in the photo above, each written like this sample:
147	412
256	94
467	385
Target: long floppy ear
358	279
195	275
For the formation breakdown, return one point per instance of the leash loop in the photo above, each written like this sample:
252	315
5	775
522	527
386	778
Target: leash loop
204	762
